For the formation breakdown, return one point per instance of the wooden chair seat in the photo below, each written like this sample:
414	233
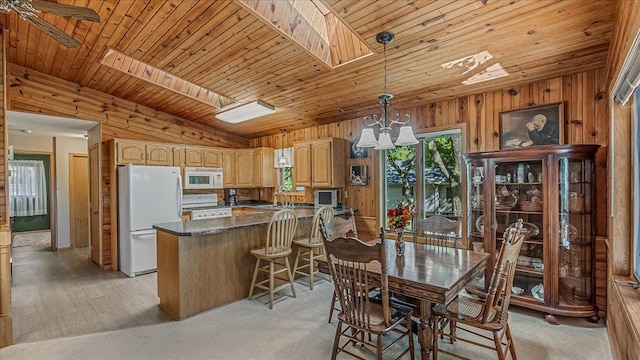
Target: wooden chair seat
306	243
377	323
272	252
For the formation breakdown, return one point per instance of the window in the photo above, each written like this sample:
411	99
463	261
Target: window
636	183
429	171
27	188
286	181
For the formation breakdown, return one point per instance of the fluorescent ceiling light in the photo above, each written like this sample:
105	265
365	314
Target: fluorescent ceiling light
246	112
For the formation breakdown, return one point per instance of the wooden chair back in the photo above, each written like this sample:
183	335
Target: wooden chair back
497	302
327	214
339	226
280	232
438	230
350	261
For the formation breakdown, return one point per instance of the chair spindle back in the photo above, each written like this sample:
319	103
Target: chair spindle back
280	232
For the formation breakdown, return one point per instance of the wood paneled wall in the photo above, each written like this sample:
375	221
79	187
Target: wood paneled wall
35	92
586	111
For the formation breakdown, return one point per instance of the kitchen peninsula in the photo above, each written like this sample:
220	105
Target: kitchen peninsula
203	264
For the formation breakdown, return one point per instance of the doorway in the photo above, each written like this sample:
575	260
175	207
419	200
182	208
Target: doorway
31	205
79	200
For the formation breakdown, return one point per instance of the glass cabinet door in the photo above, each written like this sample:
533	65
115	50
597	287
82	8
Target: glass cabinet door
475	213
575	238
519	194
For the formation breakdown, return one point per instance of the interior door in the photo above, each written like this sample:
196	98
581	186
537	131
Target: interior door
94	191
79	200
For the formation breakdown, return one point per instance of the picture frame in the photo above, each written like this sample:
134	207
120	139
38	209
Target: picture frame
534	126
356	152
359	175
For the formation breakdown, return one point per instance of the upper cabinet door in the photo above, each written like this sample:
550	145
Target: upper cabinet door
244	168
193	157
130	153
228	168
213	158
302	164
322	164
159	155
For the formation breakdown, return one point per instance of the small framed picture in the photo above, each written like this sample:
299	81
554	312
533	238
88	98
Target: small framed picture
540	125
359	175
358	153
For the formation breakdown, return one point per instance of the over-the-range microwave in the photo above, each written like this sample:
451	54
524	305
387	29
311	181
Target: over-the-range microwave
202	178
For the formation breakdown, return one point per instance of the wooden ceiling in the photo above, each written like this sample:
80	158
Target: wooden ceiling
223	47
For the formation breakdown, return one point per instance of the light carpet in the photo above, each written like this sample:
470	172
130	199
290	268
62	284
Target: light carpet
296	328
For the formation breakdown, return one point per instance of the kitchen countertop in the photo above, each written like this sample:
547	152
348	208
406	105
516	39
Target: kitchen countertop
219	225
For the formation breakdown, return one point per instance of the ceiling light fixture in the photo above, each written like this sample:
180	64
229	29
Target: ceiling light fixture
282	161
368	138
246	112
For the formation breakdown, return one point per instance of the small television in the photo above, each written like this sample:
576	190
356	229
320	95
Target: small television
325	197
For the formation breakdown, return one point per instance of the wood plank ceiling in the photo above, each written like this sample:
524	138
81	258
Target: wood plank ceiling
223	47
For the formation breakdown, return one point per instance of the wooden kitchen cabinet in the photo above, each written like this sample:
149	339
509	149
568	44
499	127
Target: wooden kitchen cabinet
551	188
319	163
137	153
264	174
203	157
228	168
244	168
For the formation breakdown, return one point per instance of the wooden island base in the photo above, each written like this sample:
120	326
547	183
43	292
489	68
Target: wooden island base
197	273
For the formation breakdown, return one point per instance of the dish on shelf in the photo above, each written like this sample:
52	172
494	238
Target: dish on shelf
528	229
480	223
537	263
506	202
517	290
538	292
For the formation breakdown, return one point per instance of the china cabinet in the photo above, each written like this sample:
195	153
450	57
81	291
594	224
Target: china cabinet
551	188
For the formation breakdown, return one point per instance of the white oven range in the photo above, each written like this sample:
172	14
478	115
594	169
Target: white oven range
204	206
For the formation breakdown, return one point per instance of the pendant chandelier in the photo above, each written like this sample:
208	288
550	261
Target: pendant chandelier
367	137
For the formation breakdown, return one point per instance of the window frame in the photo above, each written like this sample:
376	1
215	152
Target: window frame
419	188
635	149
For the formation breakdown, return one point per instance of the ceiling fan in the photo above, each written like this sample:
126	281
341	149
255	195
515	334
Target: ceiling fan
28	9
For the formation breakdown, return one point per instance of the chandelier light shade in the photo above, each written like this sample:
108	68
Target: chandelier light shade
283	156
383	142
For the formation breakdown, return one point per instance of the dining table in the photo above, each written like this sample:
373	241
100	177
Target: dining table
428	273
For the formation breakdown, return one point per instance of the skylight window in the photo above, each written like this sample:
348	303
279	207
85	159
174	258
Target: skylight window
472	62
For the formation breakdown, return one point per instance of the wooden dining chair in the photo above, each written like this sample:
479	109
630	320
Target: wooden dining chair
350	261
311	247
491	313
438	230
280	232
340	226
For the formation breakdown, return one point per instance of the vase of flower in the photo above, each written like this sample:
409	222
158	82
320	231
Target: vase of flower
399	242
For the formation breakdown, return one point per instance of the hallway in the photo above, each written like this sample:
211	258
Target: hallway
60	294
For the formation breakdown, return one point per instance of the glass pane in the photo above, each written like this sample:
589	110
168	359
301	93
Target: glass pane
400	182
475	214
518	194
575	238
442	174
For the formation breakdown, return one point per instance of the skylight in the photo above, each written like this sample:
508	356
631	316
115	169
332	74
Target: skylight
153	75
314	27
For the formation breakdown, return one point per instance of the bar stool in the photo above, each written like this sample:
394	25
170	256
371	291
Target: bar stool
280	232
310	248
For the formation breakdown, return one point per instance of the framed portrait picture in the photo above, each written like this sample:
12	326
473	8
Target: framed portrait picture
356	152
359	175
540	125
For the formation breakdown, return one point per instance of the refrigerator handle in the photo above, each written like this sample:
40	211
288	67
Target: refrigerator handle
179	195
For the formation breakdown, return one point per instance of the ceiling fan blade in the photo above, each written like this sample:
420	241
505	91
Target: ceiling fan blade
59	35
77	12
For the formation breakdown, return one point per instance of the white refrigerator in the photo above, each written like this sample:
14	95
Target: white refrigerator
147	195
